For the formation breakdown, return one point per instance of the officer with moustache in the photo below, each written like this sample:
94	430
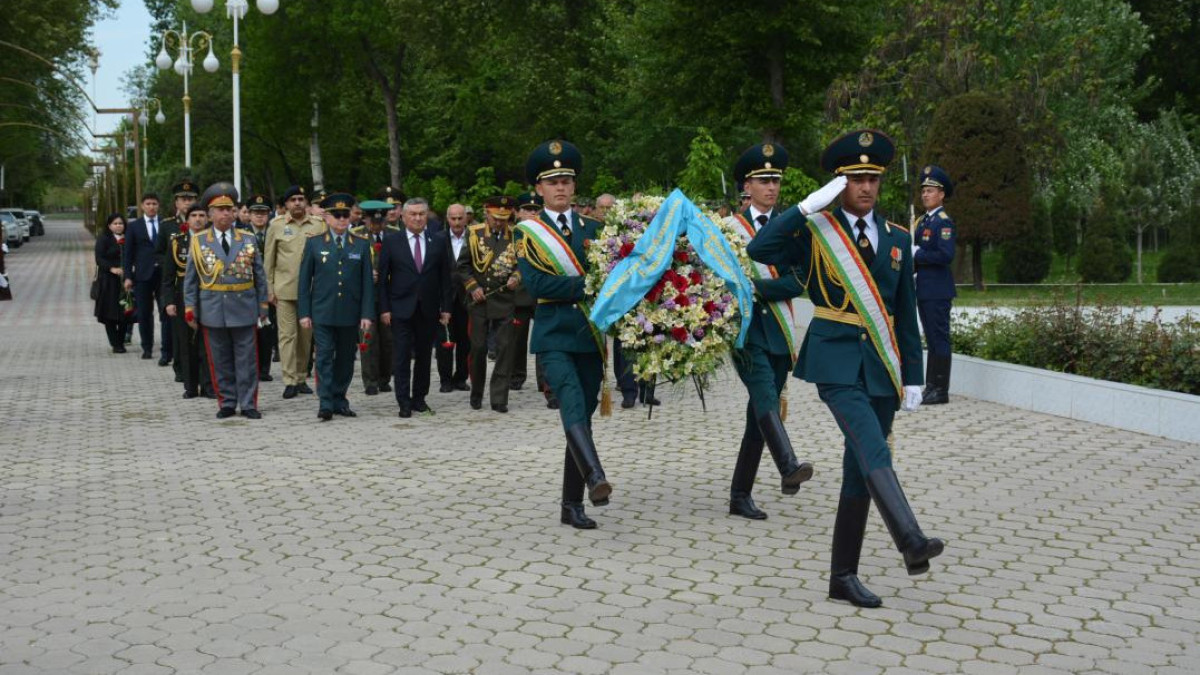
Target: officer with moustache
862	349
553	263
286	236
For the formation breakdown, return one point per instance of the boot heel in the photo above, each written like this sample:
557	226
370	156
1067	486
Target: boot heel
792	481
599	493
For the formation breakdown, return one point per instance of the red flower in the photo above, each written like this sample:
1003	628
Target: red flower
378	246
626	249
518	322
366	336
683	300
679	333
656	292
680	282
710	307
362	346
695	278
681	257
448	345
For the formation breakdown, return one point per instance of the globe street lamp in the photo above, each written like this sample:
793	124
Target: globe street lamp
158	118
186	44
236	10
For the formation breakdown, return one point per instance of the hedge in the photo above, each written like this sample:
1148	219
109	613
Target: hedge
1105	342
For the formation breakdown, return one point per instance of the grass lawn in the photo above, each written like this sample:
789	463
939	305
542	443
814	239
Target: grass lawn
1063	281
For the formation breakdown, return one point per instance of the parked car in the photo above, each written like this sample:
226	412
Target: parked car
22	222
36	227
12	230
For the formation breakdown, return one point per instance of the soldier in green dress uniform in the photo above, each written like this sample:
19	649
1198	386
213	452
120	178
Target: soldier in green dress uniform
337	301
768	355
862	349
553	262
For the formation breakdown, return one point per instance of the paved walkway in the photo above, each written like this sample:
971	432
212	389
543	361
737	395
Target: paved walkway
140	535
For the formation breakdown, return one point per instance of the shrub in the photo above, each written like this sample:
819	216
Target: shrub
1025	259
1105	342
1105	260
1180	264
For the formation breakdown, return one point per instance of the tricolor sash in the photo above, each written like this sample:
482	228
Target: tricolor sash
860	285
553	248
780	309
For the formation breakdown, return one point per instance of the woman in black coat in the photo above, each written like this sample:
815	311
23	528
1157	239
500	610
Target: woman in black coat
109	283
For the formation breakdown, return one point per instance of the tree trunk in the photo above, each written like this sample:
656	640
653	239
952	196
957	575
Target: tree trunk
977	264
775	81
1139	253
390	90
314	150
393	124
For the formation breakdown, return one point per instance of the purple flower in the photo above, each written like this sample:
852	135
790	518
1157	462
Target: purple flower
698	333
660	338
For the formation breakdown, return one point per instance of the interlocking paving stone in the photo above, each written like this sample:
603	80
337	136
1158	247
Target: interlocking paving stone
140	535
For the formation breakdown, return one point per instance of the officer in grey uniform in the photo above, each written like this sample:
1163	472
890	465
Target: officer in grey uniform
225	291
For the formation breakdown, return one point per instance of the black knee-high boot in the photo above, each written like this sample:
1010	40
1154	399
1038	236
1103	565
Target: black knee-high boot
583	451
901	522
794	472
848	531
572	496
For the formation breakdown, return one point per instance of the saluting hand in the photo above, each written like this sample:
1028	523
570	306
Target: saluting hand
824	196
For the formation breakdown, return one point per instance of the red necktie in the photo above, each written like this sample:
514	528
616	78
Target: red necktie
417	252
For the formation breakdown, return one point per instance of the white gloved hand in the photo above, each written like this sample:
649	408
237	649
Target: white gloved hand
824	196
912	398
915	249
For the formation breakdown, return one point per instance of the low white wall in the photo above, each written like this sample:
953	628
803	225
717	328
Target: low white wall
1124	406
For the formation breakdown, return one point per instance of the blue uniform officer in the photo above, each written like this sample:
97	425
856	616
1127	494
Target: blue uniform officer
933	253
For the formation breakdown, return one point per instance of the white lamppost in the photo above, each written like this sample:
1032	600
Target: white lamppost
159	118
183	42
236	10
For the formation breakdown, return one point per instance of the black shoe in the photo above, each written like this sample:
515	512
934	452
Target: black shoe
583	451
461	386
742	505
303	388
190	394
516	386
119	349
406	410
164	361
146	356
552	403
476	404
385	387
207	393
901	523
574	515
265	377
847	587
501	408
849	527
446	388
372	391
793	472
652	401
251	414
421	407
225	412
289	391
345	412
275	356
325	415
628	402
179	379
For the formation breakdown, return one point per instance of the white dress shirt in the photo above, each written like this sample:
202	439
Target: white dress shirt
871	230
755	213
412	247
457	242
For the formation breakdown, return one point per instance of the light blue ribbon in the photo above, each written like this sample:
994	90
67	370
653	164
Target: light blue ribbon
634	276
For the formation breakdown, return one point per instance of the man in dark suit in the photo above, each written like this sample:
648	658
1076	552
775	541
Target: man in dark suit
143	275
415	294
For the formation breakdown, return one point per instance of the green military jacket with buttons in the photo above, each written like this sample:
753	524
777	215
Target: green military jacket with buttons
834	352
336	285
559	322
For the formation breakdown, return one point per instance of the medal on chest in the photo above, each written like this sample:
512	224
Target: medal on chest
896	257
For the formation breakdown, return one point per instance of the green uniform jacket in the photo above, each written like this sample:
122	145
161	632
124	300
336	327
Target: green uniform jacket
834	352
559	324
480	266
765	330
336	286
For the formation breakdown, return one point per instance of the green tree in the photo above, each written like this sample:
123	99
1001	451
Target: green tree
702	176
975	138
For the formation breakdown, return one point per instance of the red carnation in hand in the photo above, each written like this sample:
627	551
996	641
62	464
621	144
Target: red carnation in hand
626	249
683	300
679	333
362	346
681	257
447	345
